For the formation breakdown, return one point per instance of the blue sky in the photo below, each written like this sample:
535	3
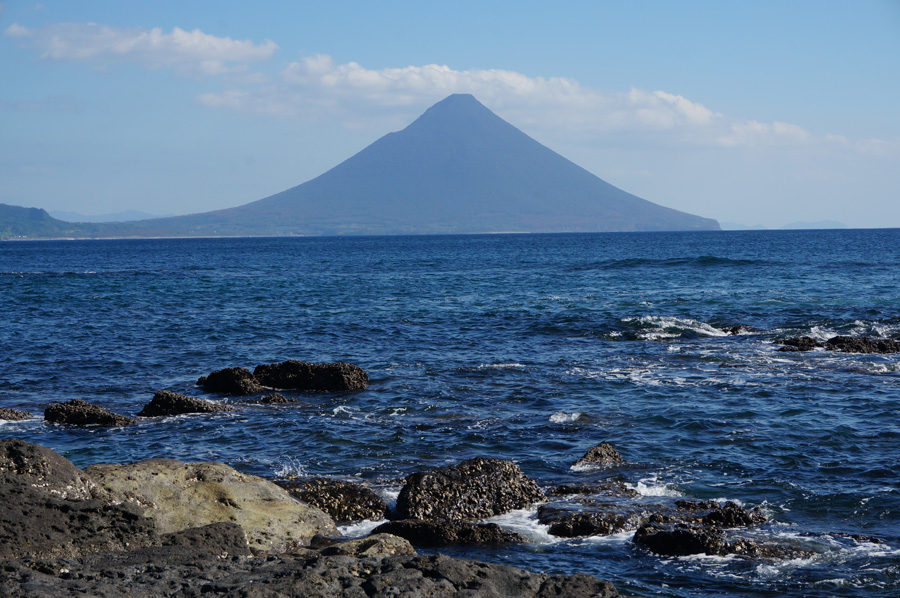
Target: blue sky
747	112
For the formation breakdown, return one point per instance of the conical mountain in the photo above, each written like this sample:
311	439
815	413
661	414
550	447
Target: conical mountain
459	168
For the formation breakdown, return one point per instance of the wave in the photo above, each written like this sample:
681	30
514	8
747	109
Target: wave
666	327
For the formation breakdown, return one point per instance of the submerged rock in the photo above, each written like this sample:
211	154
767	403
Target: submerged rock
13	415
474	489
606	488
601	455
231	381
181	495
81	413
799	343
433	533
300	375
862	344
343	501
273	398
567	524
171	403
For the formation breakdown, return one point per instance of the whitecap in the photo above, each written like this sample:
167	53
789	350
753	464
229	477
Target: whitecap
561	417
652	487
525	523
290	468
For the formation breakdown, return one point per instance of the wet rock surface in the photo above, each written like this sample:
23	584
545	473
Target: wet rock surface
81	413
474	489
601	455
165	402
343	501
323	377
568	524
436	533
273	398
231	381
13	415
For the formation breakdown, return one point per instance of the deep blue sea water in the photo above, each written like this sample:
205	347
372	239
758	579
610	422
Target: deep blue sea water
524	347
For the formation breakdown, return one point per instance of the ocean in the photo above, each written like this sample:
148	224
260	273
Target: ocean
531	348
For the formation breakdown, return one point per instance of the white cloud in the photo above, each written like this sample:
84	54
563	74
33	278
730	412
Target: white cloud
316	87
179	48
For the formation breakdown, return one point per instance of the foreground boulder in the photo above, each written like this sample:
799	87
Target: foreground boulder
171	403
13	415
181	495
601	455
50	508
81	413
231	381
300	375
474	489
343	501
376	545
150	573
436	533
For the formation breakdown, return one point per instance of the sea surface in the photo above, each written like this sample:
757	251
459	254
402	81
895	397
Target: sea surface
531	348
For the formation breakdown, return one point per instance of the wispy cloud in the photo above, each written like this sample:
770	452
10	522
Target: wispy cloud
190	50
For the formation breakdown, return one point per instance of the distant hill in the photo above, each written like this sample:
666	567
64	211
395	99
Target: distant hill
458	168
124	216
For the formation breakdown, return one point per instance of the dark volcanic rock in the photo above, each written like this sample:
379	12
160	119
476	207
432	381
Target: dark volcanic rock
13	415
699	528
799	343
231	381
474	489
50	508
343	501
150	573
862	344
601	455
216	538
606	488
434	533
299	375
81	413
171	403
273	398
590	523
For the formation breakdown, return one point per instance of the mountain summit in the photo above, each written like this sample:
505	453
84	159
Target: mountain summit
458	168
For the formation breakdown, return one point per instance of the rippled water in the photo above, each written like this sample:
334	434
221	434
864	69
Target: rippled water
524	347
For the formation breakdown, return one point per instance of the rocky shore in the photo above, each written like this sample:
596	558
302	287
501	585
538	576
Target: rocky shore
166	528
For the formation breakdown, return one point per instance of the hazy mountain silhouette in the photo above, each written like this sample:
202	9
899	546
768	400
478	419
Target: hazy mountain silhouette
458	168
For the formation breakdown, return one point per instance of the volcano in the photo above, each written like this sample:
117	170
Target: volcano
458	168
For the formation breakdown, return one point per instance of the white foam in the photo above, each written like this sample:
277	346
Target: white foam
359	529
652	487
525	523
672	327
291	468
501	366
561	417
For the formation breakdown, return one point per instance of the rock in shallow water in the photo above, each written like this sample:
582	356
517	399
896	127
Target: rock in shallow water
300	375
81	413
171	403
181	495
231	381
474	489
13	415
602	455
